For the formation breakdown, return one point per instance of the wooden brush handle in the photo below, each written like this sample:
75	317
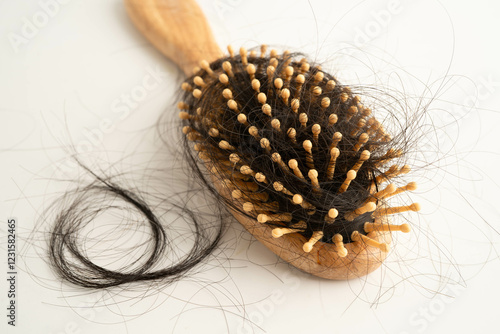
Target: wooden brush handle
177	28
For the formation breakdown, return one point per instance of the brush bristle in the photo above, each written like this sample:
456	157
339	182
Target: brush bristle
300	150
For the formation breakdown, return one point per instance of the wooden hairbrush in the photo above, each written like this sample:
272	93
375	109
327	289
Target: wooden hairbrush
297	158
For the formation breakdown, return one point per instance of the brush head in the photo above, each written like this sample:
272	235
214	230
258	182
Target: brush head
297	145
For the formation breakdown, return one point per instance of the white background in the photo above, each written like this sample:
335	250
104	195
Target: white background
60	81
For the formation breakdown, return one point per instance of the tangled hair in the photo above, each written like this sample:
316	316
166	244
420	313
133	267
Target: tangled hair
282	142
255	124
72	262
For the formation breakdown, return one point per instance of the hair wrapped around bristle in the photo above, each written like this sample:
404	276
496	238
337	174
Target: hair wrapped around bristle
293	147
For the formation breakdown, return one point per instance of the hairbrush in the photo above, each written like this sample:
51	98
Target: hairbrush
296	157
